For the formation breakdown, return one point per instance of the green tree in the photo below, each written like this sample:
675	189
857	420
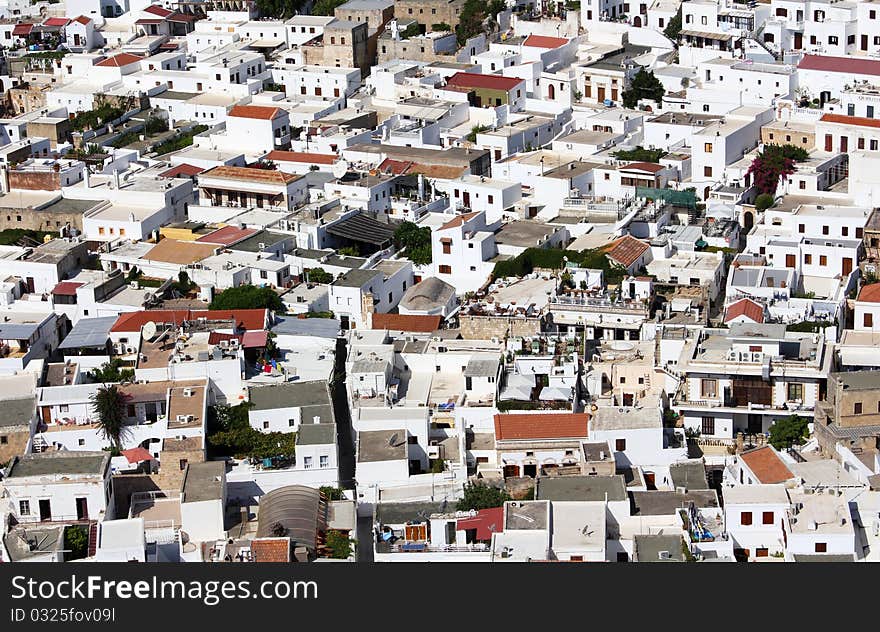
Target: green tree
789	431
673	29
247	297
473	14
280	8
109	404
415	241
76	543
230	433
480	496
326	7
338	544
112	371
441	27
764	201
349	251
643	86
318	275
332	493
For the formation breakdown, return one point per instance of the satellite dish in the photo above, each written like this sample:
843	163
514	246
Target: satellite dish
340	168
392	440
149	330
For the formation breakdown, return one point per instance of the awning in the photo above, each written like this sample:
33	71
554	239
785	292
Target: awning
66	288
136	455
723	37
363	229
22	29
266	43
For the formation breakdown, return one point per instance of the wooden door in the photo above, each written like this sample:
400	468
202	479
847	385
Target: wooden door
789	261
47	415
600	94
798	41
847	266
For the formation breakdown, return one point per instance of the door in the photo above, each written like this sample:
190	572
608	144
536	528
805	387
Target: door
755	425
614	94
530	470
847	267
789	261
511	471
47	415
343	322
650	481
844	144
466	199
600	94
30	285
864	42
82	508
829	142
45	510
798	41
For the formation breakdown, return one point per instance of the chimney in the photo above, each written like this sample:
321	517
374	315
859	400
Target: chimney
316	419
116	178
86	175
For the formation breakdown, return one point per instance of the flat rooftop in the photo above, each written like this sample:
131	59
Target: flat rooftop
580	488
59	463
381	445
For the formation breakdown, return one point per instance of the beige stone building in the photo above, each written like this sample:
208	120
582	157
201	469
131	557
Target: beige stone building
430	12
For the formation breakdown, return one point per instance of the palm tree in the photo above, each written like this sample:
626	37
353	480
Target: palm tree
109	403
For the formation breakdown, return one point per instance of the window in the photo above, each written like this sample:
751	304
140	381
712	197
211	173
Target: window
620	445
63	408
708	148
708	426
265	425
24	507
821	547
844	231
824	230
307	462
802	184
709	388
324	461
129	410
808	259
823	260
291	423
447	248
801	228
745	518
707	172
623	380
857	408
767	517
81	442
444	269
182	464
869	320
795	391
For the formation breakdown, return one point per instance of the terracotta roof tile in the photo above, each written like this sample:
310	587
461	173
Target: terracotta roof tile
82	19
249	174
651	167
261	112
403	322
486	522
248	319
66	288
525	426
182	170
490	82
745	307
849	65
627	250
157	10
870	293
271	549
117	61
459	220
857	121
227	235
766	465
179	252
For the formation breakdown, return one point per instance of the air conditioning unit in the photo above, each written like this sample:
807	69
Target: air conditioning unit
188	392
664	555
134	285
757	356
434	452
182	418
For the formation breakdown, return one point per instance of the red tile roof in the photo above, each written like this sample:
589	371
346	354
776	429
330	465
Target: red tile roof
136	455
402	322
157	10
542	41
745	307
227	235
248	319
627	250
248	340
397	167
261	112
182	170
301	156
82	19
651	167
849	65
490	82
766	465
251	174
56	22
858	121
519	426
122	59
870	293
66	288
486	522
271	550
459	220
22	29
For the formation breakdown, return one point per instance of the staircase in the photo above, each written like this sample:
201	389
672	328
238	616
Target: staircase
39	444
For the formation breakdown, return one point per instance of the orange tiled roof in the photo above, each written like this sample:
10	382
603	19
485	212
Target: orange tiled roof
404	322
271	550
249	174
458	220
766	465
519	426
247	319
870	293
627	250
261	112
122	59
745	307
858	121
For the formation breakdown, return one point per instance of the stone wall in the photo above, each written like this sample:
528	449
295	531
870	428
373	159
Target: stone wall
488	327
35	180
11	217
16	442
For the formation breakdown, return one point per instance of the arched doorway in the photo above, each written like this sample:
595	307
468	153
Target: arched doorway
748	220
637	21
551	92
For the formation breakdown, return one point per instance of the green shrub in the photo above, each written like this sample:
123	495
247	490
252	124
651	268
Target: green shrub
764	201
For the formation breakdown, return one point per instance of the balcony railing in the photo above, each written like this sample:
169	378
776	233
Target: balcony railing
422	547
